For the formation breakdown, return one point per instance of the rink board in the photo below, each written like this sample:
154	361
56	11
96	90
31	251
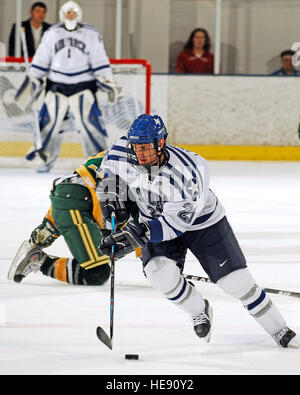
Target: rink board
210	152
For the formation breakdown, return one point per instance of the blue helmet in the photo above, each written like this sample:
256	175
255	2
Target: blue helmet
147	129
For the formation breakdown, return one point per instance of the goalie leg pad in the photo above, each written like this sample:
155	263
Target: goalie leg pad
165	276
241	285
50	120
89	122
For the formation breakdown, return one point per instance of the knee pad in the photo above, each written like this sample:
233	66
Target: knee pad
96	276
163	273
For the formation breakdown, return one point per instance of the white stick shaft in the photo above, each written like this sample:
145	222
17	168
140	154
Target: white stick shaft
24	46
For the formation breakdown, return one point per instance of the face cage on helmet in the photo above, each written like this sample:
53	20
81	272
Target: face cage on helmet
132	155
71	24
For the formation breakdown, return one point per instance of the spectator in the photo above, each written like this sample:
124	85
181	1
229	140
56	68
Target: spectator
196	56
287	67
34	29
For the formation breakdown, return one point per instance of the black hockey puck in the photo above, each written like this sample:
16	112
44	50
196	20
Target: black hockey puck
132	356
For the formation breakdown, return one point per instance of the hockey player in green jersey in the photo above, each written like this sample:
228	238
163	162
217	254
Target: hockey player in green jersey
75	213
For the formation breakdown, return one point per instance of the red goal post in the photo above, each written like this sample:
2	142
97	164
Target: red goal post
148	72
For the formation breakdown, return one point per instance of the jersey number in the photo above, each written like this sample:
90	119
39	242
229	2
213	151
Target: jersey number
187	214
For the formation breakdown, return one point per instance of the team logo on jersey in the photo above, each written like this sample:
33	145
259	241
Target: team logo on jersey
70	42
193	188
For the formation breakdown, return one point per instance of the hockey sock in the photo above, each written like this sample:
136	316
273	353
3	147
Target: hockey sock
241	285
165	276
69	271
56	268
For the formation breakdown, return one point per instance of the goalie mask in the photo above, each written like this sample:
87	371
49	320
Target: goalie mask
70	15
147	137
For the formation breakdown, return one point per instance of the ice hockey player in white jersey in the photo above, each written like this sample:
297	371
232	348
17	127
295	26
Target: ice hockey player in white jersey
73	59
179	212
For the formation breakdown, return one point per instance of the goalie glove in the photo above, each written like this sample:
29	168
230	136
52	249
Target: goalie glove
132	236
44	235
107	85
28	92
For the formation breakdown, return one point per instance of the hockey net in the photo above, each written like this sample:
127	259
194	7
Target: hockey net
17	127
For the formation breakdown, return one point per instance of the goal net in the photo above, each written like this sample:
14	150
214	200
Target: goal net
17	127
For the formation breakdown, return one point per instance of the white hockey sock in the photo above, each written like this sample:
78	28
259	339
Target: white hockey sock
240	284
165	276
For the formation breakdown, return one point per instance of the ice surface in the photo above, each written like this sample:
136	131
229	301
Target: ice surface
47	327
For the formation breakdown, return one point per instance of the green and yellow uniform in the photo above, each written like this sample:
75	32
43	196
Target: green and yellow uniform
76	214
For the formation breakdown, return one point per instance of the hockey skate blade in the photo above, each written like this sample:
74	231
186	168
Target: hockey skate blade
20	255
294	343
101	334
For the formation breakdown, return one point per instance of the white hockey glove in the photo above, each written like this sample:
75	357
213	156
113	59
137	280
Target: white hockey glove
28	92
107	84
44	235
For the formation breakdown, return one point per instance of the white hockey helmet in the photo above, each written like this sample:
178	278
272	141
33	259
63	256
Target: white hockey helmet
70	14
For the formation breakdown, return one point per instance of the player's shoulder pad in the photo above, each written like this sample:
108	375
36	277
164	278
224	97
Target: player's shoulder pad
121	141
89	27
56	26
93	29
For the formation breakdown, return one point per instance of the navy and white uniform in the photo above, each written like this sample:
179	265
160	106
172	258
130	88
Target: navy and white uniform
177	199
72	62
183	213
71	57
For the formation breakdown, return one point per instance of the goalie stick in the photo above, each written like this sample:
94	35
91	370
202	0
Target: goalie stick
101	334
269	290
37	132
24	45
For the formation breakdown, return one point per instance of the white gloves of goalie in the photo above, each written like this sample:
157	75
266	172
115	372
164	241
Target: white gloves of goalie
108	85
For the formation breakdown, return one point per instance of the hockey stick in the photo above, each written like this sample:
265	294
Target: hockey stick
102	335
37	132
269	290
24	45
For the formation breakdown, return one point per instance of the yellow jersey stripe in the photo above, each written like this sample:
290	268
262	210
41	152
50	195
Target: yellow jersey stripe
88	235
76	222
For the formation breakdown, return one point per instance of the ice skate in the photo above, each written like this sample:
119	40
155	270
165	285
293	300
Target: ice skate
45	163
28	259
202	322
286	338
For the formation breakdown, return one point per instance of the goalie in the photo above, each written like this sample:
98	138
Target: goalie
73	59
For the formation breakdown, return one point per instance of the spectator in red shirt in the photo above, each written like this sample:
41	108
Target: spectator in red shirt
196	56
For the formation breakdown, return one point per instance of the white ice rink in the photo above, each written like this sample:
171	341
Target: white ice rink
47	327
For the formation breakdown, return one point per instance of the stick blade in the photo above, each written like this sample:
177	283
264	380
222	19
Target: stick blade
102	336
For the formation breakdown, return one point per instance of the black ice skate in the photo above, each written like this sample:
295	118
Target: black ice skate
286	338
28	259
202	322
